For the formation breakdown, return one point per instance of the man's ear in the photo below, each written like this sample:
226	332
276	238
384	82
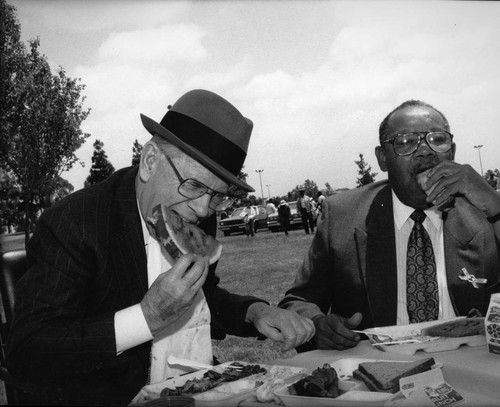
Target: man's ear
380	153
453	151
149	160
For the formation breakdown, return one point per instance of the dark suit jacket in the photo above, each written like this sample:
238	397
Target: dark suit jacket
351	264
86	261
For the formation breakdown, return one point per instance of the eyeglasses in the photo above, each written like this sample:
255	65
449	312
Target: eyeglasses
408	143
193	189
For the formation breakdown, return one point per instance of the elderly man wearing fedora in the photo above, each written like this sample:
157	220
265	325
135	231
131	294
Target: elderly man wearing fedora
100	308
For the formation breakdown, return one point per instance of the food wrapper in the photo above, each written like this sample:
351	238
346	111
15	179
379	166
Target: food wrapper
492	324
425	389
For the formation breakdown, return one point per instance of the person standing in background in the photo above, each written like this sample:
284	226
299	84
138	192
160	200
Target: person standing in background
248	216
284	215
304	205
270	207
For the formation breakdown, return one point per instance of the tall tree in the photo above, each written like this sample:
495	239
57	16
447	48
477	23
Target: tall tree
329	190
40	119
10	190
310	187
60	189
101	167
136	152
240	196
366	176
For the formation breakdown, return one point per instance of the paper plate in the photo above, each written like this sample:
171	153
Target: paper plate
226	394
413	331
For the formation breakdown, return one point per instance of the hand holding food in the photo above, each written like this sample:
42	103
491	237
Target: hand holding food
173	293
280	325
449	179
334	331
180	237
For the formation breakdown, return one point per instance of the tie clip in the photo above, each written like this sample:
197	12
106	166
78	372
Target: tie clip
471	278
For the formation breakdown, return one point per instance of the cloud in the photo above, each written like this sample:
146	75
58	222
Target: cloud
168	45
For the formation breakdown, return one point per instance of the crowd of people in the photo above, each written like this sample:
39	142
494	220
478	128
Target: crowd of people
102	305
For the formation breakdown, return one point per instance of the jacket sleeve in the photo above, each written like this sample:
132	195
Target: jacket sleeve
308	295
53	330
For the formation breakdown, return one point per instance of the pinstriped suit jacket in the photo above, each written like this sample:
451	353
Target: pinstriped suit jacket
351	264
86	261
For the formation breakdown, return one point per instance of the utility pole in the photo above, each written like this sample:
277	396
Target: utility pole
260	177
268	191
480	162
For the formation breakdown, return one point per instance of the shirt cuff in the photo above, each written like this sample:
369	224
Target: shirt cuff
131	328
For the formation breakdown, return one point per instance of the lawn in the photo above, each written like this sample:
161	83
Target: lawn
263	266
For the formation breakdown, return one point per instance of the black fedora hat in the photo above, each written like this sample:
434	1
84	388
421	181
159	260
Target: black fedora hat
209	129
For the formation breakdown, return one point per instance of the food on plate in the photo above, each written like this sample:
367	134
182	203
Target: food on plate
274	379
179	237
212	379
457	329
323	382
384	376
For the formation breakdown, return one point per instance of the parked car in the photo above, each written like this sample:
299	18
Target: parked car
295	221
234	223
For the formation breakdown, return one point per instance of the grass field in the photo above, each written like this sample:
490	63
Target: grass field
263	266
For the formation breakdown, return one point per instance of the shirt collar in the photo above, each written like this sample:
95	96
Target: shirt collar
402	212
145	230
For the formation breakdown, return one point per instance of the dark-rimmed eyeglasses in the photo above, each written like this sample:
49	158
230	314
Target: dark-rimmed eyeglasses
408	143
193	189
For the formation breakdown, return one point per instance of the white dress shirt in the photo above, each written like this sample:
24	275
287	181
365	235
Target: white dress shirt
433	224
187	337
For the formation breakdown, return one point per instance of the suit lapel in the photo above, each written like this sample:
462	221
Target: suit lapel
464	246
377	259
127	242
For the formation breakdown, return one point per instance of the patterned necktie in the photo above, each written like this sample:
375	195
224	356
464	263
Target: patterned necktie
422	299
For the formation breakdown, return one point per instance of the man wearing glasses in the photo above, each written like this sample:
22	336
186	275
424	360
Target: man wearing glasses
100	308
385	254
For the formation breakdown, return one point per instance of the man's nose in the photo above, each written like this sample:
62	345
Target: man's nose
201	205
423	149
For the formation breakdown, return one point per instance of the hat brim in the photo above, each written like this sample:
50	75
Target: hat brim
157	129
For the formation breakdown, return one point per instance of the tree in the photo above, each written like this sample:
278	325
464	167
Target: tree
310	187
240	196
10	191
492	177
366	176
60	189
136	152
329	190
101	167
40	119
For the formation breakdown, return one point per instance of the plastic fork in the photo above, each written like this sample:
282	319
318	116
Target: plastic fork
174	360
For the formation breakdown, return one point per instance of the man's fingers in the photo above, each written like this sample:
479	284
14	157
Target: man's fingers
181	265
198	276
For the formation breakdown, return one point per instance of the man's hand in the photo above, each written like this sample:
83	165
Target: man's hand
334	331
173	293
280	325
451	179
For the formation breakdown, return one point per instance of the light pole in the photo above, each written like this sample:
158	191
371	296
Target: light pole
268	191
480	162
260	177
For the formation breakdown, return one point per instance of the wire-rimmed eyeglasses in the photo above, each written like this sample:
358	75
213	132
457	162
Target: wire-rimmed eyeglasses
194	189
408	143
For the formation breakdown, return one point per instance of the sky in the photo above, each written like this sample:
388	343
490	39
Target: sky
315	77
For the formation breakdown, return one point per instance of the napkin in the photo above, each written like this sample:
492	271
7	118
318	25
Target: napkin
425	389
